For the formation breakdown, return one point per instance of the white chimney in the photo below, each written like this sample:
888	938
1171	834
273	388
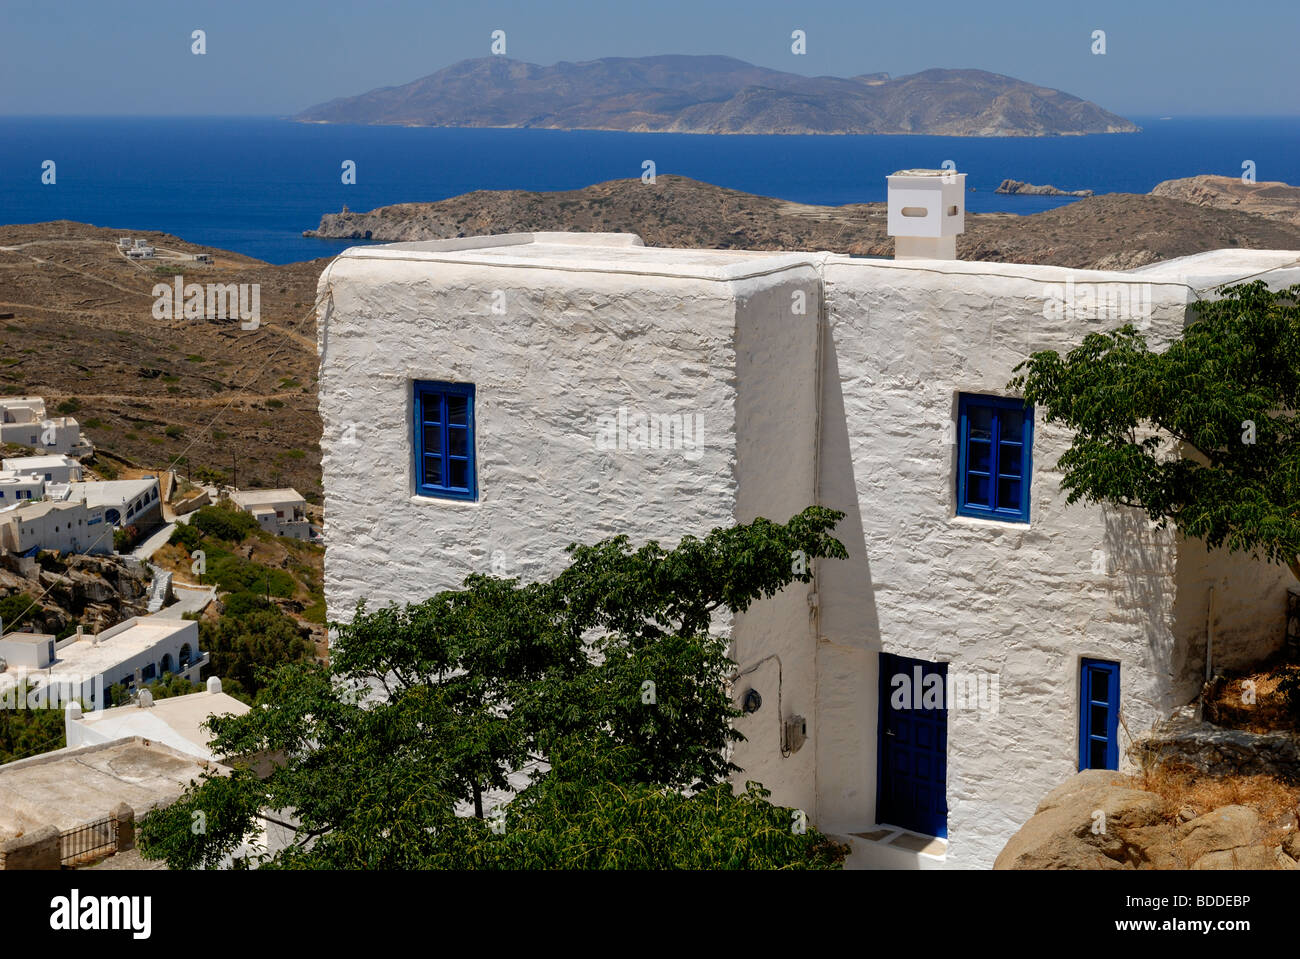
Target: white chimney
927	209
214	684
145	699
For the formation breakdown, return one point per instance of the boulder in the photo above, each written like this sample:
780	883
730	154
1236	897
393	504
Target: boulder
1082	824
1225	828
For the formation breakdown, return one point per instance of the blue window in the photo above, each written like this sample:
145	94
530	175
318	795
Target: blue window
444	440
995	440
1099	715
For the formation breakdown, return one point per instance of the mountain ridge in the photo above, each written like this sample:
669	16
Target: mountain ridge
714	94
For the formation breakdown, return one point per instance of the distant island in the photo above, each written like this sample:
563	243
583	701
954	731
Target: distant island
717	94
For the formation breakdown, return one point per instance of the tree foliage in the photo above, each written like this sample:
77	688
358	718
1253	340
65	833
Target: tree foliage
612	675
1204	434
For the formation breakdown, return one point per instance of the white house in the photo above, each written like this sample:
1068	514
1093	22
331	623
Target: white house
282	512
124	502
23	421
134	653
65	527
176	721
527	391
56	468
18	488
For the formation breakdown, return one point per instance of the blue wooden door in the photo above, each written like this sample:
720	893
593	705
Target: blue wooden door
912	774
1099	715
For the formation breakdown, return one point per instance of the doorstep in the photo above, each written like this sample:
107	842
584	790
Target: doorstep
888	847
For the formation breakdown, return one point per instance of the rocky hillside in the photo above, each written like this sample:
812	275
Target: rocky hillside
1274	199
714	94
1116	230
203	393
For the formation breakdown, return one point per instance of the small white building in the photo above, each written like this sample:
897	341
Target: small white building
17	488
176	721
64	527
55	468
124	502
532	390
23	421
134	653
279	511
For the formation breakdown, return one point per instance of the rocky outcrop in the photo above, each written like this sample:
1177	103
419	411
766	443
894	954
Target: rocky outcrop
1222	752
1017	187
94	591
1273	198
1097	819
714	94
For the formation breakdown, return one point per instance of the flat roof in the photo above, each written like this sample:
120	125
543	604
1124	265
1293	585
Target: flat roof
175	721
587	252
258	497
85	658
71	787
110	492
37	462
31	638
624	253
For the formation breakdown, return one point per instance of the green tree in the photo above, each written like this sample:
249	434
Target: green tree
228	523
608	673
1203	435
252	635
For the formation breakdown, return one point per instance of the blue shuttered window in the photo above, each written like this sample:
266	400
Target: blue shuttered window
995	443
1099	715
444	440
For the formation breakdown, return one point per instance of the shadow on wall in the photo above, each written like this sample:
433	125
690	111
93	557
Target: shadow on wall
1136	562
849	633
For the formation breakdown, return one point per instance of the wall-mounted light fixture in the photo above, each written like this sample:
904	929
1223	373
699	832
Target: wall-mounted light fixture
752	701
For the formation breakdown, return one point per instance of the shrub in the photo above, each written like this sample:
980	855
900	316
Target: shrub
229	524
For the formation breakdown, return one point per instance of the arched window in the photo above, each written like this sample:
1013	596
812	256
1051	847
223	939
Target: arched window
186	654
167	665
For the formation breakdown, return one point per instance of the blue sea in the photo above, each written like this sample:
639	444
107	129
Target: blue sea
253	184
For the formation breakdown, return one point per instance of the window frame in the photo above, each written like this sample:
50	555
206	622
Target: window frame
1088	670
423	391
965	401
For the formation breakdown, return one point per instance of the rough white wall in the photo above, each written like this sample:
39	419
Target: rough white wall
1017	601
569	347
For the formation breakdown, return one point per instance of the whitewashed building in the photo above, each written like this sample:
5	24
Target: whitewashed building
64	527
281	512
487	401
123	502
134	653
55	468
23	421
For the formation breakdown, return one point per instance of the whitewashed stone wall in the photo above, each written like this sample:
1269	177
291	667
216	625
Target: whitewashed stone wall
884	348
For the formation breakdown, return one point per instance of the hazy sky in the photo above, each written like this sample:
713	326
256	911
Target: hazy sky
1175	57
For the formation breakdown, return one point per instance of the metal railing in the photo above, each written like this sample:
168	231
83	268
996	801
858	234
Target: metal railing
86	843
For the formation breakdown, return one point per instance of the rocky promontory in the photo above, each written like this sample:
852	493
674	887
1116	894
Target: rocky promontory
1017	187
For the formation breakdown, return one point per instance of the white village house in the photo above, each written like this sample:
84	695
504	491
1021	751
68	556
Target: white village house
281	512
23	421
523	392
134	653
